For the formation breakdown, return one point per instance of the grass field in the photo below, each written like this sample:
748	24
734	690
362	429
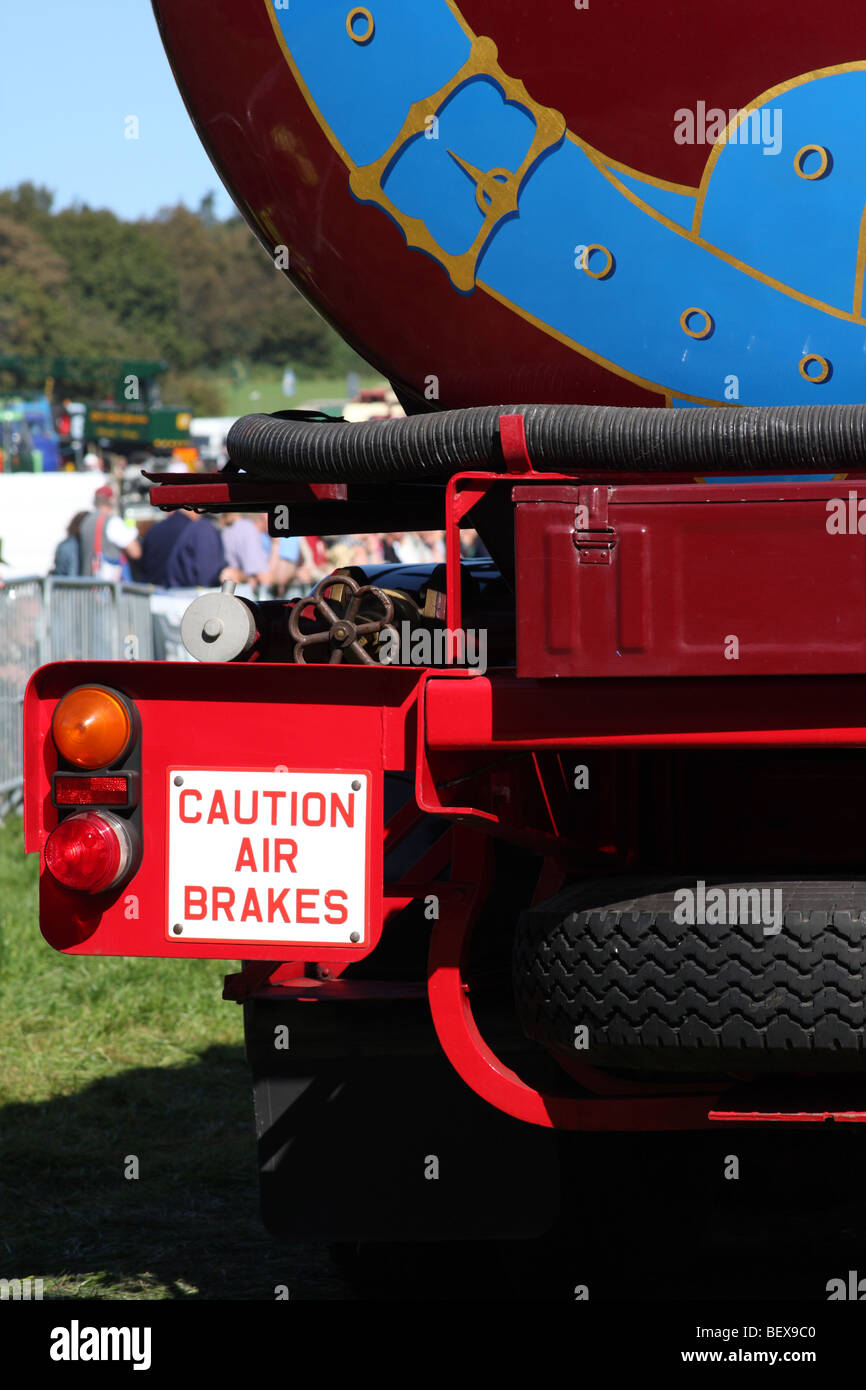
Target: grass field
103	1059
242	399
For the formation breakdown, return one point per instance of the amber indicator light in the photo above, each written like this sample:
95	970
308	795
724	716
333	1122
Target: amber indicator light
91	727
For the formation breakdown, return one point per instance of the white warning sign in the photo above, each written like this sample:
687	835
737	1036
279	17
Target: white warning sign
267	857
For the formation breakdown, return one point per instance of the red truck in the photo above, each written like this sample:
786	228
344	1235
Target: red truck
564	839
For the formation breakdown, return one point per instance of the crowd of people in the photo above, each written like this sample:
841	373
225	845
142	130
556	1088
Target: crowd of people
186	550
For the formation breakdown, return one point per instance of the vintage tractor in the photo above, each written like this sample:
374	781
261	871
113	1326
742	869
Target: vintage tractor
565	839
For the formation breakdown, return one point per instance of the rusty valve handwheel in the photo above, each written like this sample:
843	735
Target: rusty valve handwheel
343	631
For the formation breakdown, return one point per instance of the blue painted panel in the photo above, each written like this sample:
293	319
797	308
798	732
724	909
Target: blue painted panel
364	91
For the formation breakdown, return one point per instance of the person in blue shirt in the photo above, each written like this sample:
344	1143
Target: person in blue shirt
158	543
197	559
284	556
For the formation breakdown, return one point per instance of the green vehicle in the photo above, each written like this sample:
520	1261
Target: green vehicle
135	417
17	452
123	429
130	416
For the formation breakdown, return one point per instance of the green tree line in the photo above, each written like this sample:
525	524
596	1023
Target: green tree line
183	287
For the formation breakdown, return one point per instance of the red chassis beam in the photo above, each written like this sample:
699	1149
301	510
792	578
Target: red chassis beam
763	1117
498	711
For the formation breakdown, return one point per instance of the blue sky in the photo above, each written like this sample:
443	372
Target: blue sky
71	72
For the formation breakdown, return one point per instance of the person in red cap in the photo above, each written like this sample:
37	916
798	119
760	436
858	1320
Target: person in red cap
104	540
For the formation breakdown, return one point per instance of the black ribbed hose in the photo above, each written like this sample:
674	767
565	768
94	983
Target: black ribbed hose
603	438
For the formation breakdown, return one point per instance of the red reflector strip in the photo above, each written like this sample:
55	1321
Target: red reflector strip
769	1116
90	791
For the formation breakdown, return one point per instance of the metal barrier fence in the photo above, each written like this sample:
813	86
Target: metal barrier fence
60	619
96	620
21	645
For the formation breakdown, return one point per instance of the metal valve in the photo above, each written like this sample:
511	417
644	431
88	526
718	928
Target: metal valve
218	627
345	634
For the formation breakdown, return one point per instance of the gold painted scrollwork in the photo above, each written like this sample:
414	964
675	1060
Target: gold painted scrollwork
357	35
823	162
606	263
705	323
805	365
496	190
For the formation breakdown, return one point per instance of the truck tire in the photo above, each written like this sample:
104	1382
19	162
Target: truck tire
604	973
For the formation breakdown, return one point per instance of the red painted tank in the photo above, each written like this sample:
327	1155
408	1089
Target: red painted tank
609	201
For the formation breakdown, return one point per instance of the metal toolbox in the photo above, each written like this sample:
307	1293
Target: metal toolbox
691	579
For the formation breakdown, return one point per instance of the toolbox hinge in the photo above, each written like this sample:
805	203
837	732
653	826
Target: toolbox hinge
593	537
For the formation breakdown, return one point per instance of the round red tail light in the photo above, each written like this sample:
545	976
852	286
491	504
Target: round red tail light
89	852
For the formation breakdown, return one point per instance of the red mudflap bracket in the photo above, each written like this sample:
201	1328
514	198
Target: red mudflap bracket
476	1063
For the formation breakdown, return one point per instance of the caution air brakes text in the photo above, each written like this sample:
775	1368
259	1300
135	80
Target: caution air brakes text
312	808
